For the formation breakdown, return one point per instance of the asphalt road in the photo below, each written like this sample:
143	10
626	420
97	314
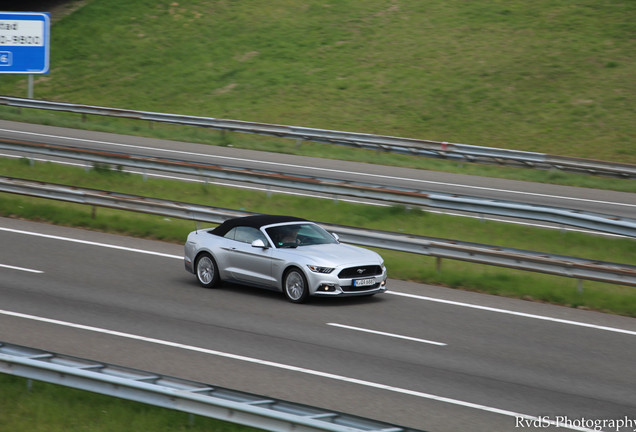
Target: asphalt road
445	360
596	201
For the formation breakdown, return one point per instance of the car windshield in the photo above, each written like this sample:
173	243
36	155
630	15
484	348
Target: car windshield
301	234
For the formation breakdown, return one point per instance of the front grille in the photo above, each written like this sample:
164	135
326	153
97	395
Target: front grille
360	272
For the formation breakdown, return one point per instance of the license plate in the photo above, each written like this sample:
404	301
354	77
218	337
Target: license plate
363	282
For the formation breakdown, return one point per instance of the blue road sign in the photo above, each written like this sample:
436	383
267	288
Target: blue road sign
24	42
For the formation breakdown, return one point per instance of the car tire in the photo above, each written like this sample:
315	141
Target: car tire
206	271
295	286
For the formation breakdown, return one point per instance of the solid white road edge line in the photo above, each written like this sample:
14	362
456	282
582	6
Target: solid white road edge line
86	242
509	312
20	268
386	334
418	297
289	368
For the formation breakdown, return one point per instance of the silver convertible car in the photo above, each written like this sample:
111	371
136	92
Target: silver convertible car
283	253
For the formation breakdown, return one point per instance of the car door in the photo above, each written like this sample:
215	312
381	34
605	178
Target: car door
249	264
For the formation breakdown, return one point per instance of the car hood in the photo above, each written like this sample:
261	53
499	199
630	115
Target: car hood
334	255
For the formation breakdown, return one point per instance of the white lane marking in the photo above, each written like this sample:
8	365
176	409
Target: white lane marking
520	314
360	329
419	297
465	186
86	242
284	367
20	268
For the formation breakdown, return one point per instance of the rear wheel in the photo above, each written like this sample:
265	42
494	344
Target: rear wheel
295	286
206	271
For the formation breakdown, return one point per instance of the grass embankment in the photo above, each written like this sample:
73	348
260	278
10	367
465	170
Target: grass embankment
548	76
50	408
617	299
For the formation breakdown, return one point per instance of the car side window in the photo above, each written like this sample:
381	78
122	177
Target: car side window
245	234
230	234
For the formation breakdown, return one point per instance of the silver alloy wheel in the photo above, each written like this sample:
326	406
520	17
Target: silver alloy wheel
205	270
295	286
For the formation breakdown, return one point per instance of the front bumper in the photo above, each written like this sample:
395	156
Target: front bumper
346	288
189	266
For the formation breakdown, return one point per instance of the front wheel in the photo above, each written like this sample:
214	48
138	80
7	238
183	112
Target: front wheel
206	271
295	286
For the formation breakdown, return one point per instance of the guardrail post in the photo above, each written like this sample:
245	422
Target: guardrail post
438	264
225	139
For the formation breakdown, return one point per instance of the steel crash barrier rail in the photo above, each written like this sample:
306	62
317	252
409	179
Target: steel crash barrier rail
179	394
579	268
404	196
410	146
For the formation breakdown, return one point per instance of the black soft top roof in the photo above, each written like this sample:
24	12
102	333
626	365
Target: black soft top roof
256	221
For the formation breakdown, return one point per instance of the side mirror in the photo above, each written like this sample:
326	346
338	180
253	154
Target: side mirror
336	236
258	243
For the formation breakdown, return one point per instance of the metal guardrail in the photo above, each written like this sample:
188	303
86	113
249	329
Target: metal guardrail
404	196
179	394
582	269
410	146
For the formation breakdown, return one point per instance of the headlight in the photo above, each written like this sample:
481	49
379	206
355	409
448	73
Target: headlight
318	269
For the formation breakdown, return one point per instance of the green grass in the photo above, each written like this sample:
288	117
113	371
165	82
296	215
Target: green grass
456	274
51	408
550	76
